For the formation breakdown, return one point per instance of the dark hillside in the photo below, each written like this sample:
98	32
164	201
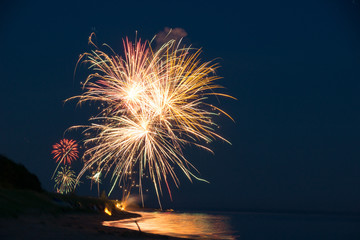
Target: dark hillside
16	176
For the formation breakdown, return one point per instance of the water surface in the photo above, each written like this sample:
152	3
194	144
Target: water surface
241	225
187	225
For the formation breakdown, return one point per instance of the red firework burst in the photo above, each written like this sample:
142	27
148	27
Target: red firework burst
65	151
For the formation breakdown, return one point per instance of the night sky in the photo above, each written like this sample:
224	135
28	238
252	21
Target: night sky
294	67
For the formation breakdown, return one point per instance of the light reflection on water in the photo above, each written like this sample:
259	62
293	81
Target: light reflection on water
188	225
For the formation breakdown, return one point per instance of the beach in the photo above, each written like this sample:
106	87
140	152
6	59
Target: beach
27	214
79	226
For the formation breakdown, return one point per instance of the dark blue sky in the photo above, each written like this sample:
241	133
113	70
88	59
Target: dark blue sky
294	67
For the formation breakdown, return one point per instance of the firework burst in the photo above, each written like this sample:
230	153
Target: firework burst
65	151
154	104
65	180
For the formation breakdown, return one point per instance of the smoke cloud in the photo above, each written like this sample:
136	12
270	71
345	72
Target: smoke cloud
170	34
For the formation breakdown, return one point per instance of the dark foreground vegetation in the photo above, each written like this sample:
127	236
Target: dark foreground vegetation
29	212
21	193
16	176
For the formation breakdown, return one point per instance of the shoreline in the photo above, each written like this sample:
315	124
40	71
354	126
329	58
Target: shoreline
87	226
27	214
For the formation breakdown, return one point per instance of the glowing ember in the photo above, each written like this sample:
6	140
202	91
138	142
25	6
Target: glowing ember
107	211
120	206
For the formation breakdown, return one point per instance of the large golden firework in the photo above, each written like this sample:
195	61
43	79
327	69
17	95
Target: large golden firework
153	103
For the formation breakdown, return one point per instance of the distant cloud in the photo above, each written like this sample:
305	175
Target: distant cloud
170	34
